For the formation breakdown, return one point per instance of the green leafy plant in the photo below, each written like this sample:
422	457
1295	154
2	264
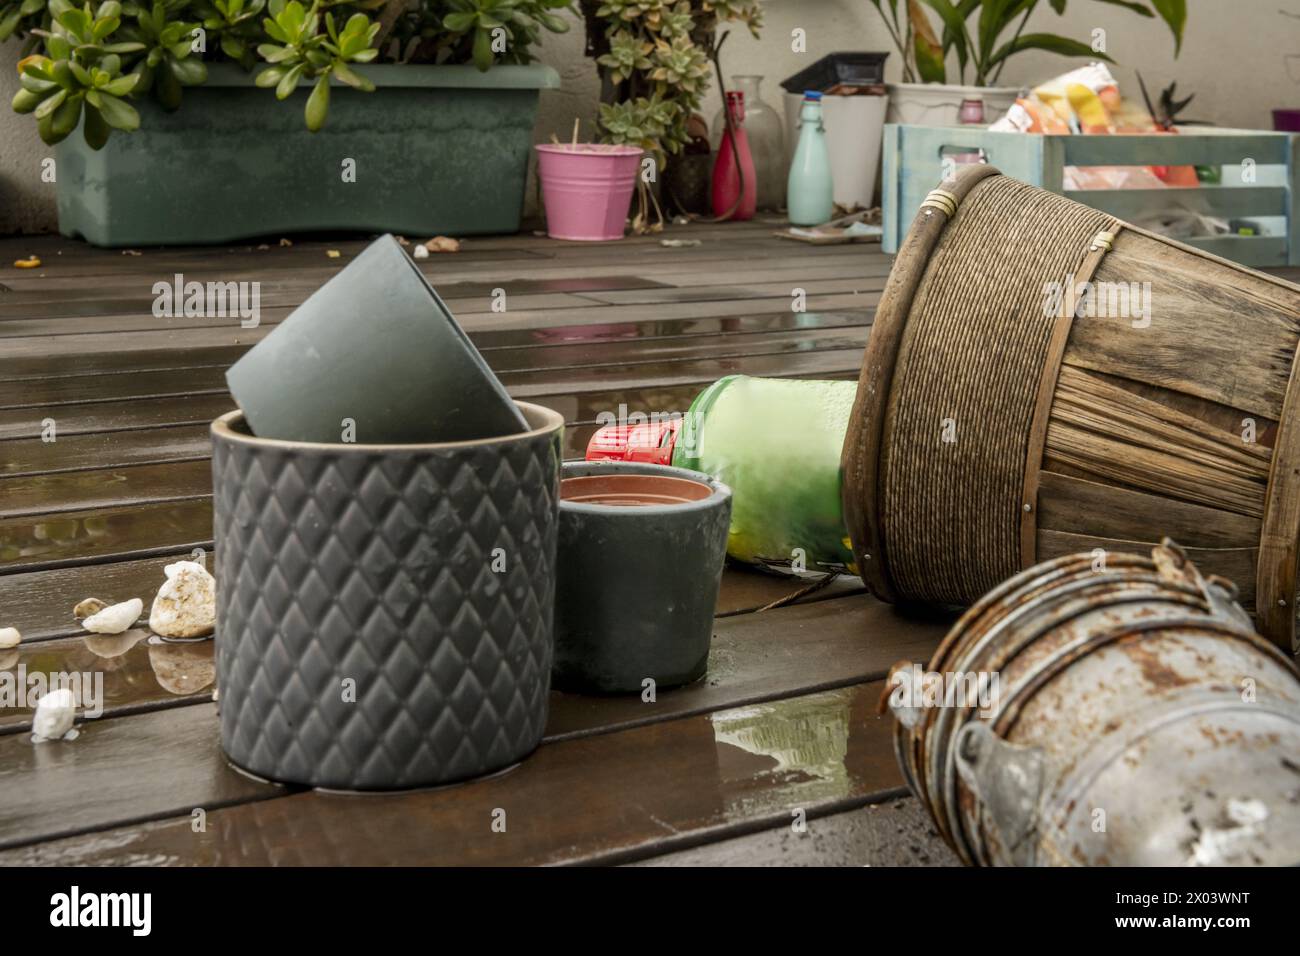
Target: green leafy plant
984	34
654	63
85	65
654	58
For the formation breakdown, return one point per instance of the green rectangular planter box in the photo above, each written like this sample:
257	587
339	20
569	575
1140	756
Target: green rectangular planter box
434	150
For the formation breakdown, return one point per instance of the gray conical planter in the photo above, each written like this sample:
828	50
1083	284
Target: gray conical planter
641	550
384	613
377	348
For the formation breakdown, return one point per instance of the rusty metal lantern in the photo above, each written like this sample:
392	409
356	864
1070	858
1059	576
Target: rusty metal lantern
1136	719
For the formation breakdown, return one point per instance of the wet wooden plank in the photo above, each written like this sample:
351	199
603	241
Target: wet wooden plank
44	303
137	277
527	312
606	356
753	290
27	313
180	334
104	488
770	654
89	299
110	675
273	306
130	768
895	832
663	387
31	456
811	646
89	536
606	798
40	603
42	368
126	415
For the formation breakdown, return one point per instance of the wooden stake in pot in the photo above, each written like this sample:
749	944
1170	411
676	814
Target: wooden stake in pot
1042	379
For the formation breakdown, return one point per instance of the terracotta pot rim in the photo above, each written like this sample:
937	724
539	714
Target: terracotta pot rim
541	419
629	486
718	492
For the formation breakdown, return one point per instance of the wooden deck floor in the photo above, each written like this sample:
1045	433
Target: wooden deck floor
785	720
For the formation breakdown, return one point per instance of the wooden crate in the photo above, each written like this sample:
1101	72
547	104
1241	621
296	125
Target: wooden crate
914	164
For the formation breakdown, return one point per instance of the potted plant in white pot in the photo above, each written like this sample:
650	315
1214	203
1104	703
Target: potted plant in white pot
981	36
404	115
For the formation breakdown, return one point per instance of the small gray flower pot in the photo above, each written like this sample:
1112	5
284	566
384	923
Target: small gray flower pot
384	613
375	346
641	550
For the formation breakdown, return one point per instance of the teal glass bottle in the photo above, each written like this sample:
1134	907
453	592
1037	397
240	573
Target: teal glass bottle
809	191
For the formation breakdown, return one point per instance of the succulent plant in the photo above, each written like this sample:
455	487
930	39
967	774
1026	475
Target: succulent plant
654	57
90	62
80	72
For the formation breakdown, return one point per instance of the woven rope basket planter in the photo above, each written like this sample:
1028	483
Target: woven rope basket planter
996	426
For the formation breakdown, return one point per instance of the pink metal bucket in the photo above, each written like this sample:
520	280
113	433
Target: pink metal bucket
587	189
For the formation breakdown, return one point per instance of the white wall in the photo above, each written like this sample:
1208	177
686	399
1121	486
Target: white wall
1233	59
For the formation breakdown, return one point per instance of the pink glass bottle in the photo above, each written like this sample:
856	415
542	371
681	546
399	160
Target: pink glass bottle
726	180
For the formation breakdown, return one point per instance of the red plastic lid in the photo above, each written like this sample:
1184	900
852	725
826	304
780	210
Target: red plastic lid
651	443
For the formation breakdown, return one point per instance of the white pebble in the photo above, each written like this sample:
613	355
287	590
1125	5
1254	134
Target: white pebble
420	252
115	619
88	608
186	605
9	637
54	714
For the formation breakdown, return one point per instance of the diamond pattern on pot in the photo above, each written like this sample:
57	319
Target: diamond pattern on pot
336	565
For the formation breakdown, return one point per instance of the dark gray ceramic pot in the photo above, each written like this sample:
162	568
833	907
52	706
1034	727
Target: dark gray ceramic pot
374	345
417	580
638	575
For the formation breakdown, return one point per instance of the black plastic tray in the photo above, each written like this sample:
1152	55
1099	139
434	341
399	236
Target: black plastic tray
853	69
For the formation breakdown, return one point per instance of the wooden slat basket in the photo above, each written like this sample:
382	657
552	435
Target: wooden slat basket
1001	421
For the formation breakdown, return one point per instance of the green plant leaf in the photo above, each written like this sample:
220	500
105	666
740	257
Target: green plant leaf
289	82
233	46
80	72
64	120
166	90
353	79
1137	8
995	16
95	129
58	47
1065	46
51	104
926	48
25	101
318	103
61	70
9	22
1174	13
122	85
190	71
270	76
482	49
119	114
31	83
954	29
274	32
